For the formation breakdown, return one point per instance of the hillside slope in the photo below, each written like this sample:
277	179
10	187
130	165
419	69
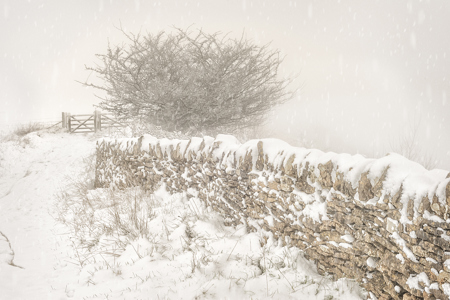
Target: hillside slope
187	252
32	170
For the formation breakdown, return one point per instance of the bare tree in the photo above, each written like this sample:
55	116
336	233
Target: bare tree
190	81
407	144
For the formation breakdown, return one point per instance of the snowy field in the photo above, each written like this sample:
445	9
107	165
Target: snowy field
61	239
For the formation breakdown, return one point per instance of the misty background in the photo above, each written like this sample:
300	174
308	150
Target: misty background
372	74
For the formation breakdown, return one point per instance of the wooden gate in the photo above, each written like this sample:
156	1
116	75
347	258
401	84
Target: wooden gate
89	123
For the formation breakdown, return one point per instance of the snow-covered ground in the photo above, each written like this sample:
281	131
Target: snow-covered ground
31	172
58	243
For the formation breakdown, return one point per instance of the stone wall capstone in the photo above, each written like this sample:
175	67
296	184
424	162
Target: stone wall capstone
383	222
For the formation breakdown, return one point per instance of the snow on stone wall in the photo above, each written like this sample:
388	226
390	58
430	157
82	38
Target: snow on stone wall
384	222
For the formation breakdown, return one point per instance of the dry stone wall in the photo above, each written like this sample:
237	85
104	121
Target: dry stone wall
383	222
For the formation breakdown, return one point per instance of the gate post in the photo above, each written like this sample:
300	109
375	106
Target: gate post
64	120
97	121
69	122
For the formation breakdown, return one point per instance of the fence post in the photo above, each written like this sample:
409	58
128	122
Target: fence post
97	121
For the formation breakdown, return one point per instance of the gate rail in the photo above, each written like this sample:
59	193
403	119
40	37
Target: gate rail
89	122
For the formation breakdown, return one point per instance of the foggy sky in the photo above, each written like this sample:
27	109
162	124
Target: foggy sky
368	71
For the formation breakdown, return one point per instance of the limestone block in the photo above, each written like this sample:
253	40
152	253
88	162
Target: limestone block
410	209
365	188
443	277
394	214
396	198
377	188
424	205
325	179
286	184
447	191
409	297
438	294
289	169
260	160
302	180
273	185
433	230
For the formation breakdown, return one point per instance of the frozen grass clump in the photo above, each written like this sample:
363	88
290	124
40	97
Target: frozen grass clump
20	131
25	129
102	221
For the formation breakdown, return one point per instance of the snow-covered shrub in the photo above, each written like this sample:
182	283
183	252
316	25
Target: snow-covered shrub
191	80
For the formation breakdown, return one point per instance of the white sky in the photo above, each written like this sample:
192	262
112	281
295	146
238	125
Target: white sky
368	70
